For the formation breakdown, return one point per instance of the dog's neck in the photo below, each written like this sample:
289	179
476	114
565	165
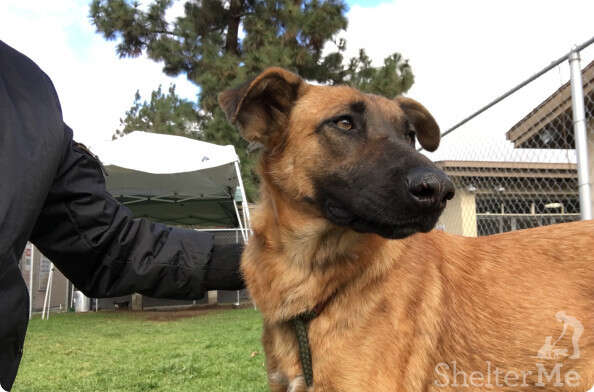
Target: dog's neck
297	259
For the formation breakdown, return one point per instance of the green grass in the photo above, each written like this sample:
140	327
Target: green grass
128	352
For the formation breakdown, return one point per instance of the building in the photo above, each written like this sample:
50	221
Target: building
37	282
535	184
550	124
495	197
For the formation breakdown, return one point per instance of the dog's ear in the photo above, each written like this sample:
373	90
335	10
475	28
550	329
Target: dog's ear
425	125
260	108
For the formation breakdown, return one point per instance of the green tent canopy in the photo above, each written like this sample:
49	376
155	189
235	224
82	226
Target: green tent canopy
176	180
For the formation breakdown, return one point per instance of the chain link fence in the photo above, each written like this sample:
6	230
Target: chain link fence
514	163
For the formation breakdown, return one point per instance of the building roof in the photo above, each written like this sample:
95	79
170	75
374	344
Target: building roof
508	169
513	178
549	125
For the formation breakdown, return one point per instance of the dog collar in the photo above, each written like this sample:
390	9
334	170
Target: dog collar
301	326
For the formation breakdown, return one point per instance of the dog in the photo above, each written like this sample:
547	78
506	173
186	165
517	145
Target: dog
343	226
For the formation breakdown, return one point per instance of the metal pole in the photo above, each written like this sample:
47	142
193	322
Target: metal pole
244	208
248	224
45	298
71	295
581	137
31	281
51	286
47	292
243	235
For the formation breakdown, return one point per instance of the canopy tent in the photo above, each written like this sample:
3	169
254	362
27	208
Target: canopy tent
175	180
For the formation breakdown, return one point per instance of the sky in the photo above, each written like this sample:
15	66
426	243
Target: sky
463	53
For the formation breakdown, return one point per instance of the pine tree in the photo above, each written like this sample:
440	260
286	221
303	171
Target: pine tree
222	43
164	113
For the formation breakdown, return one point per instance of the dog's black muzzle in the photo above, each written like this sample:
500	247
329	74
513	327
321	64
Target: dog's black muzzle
395	201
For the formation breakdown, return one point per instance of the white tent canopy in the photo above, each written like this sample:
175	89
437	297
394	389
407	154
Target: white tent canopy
175	180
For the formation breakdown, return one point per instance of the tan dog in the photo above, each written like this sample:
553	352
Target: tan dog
343	225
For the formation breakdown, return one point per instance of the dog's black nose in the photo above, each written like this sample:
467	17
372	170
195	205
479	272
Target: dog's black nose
429	188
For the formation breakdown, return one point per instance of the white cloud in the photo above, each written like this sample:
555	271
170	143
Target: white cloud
95	86
463	54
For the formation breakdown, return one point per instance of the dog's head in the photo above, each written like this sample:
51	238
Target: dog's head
348	154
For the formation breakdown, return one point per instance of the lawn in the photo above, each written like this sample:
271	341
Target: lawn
150	351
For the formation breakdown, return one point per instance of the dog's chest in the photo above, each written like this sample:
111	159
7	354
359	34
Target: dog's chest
349	352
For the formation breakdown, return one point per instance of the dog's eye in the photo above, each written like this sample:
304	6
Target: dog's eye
344	123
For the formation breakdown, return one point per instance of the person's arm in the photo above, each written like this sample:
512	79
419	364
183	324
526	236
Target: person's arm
97	244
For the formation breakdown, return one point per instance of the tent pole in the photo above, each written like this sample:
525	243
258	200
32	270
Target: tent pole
47	292
242	189
239	220
246	228
44	298
244	203
51	286
71	295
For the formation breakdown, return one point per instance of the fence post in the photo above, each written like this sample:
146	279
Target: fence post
581	137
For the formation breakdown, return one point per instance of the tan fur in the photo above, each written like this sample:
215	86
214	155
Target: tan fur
399	308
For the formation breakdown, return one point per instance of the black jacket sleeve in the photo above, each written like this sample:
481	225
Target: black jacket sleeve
97	244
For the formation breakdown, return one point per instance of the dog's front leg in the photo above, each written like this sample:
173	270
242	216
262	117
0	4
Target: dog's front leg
282	359
278	382
297	385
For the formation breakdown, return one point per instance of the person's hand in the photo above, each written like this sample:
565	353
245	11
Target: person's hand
223	269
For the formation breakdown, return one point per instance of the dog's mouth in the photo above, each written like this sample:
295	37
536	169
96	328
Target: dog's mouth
385	226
